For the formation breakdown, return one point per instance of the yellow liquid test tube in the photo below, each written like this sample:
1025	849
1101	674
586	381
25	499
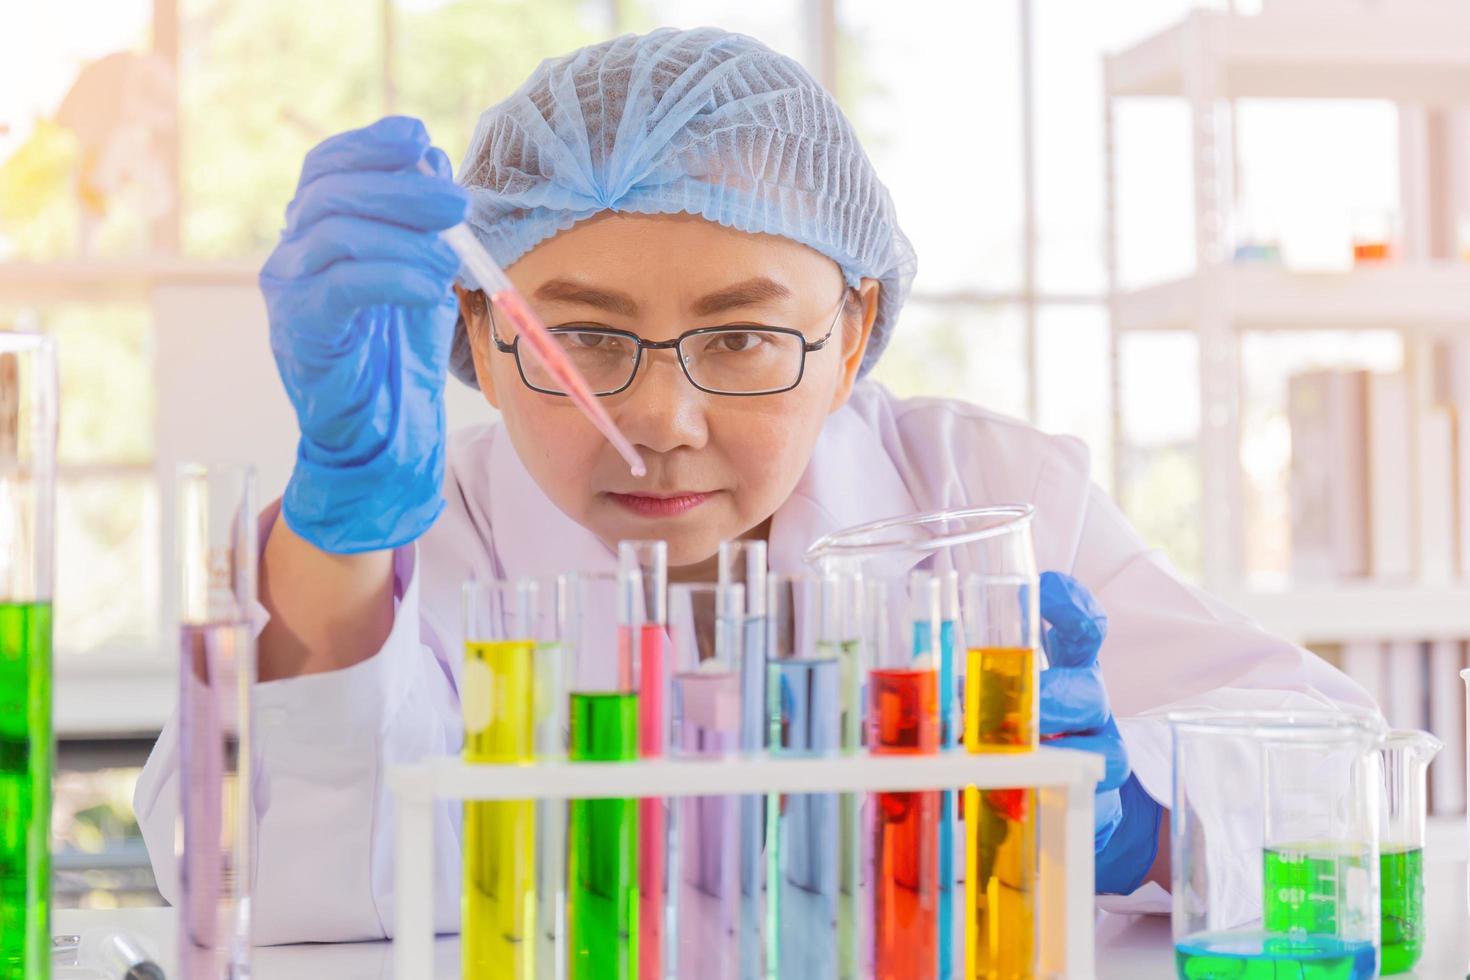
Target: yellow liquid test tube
1000	824
497	697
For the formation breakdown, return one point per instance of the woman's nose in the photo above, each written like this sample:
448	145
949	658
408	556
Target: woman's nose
662	411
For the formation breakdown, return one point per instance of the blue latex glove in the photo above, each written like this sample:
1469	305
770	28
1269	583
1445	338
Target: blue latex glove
1075	714
361	320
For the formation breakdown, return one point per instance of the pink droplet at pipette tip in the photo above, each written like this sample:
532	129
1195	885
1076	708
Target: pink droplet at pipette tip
492	279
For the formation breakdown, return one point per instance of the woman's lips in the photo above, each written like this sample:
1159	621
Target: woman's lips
660	505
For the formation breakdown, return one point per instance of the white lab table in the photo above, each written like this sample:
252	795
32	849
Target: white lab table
1128	947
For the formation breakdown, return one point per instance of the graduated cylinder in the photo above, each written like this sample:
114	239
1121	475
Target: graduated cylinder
27	508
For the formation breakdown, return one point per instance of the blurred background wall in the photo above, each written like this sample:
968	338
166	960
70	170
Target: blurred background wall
1225	246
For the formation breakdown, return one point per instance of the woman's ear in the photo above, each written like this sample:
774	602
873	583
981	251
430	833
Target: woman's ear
475	310
857	328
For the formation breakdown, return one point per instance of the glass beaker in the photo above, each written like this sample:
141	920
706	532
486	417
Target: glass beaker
1405	758
27	541
991	930
217	538
706	626
1274	843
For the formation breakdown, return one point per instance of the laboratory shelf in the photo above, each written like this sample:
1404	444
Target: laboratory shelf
1403	51
1433	297
1359	611
1065	781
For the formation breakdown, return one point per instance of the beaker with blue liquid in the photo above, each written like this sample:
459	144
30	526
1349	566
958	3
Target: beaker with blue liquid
1275	844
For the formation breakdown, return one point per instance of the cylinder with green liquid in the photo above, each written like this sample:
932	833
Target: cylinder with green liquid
27	506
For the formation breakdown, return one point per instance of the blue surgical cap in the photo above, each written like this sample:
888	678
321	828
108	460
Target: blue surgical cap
700	122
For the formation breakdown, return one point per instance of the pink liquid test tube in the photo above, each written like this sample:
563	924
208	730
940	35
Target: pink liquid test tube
492	279
643	630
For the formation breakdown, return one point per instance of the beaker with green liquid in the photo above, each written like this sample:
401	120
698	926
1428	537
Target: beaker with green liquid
1405	758
1275	844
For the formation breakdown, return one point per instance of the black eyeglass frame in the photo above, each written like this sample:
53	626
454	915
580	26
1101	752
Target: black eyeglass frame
641	345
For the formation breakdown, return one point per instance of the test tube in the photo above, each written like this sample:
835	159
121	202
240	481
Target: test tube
903	719
643	568
840	635
27	508
805	718
706	624
217	540
951	842
497	701
557	648
743	562
1002	679
603	834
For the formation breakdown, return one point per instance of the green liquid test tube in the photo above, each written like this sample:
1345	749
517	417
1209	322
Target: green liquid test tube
602	846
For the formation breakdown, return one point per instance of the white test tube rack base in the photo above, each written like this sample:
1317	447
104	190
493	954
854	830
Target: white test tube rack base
1064	780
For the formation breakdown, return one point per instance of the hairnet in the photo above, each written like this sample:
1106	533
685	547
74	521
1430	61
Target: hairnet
701	122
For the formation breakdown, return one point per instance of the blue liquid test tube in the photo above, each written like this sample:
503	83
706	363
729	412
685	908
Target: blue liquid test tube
805	709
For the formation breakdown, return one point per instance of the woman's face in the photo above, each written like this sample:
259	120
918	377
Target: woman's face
718	465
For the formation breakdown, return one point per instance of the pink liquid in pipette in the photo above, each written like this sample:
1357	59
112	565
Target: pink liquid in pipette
491	278
535	334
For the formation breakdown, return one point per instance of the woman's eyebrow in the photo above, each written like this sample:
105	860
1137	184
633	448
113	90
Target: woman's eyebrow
566	291
747	293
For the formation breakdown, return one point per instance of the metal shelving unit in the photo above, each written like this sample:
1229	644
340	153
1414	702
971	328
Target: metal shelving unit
1417	55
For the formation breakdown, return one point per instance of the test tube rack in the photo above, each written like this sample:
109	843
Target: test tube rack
1064	780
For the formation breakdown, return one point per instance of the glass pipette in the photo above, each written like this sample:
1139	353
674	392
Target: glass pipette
492	279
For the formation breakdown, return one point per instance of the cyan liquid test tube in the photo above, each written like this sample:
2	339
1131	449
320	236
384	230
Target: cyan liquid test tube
950	923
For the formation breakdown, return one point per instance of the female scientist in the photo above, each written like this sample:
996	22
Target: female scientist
696	209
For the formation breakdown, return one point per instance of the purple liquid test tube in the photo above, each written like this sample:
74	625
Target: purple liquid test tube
707	631
216	538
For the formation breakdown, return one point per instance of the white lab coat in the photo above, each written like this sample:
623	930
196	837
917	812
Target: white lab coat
325	821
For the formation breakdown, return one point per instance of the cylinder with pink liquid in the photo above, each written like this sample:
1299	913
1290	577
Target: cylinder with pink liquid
216	539
643	576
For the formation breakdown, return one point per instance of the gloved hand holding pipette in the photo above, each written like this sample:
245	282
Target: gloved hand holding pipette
1075	714
361	320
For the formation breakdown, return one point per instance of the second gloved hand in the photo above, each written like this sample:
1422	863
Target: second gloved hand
361	320
1074	704
1075	714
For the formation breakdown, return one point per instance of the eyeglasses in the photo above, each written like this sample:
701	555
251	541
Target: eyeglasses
740	359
